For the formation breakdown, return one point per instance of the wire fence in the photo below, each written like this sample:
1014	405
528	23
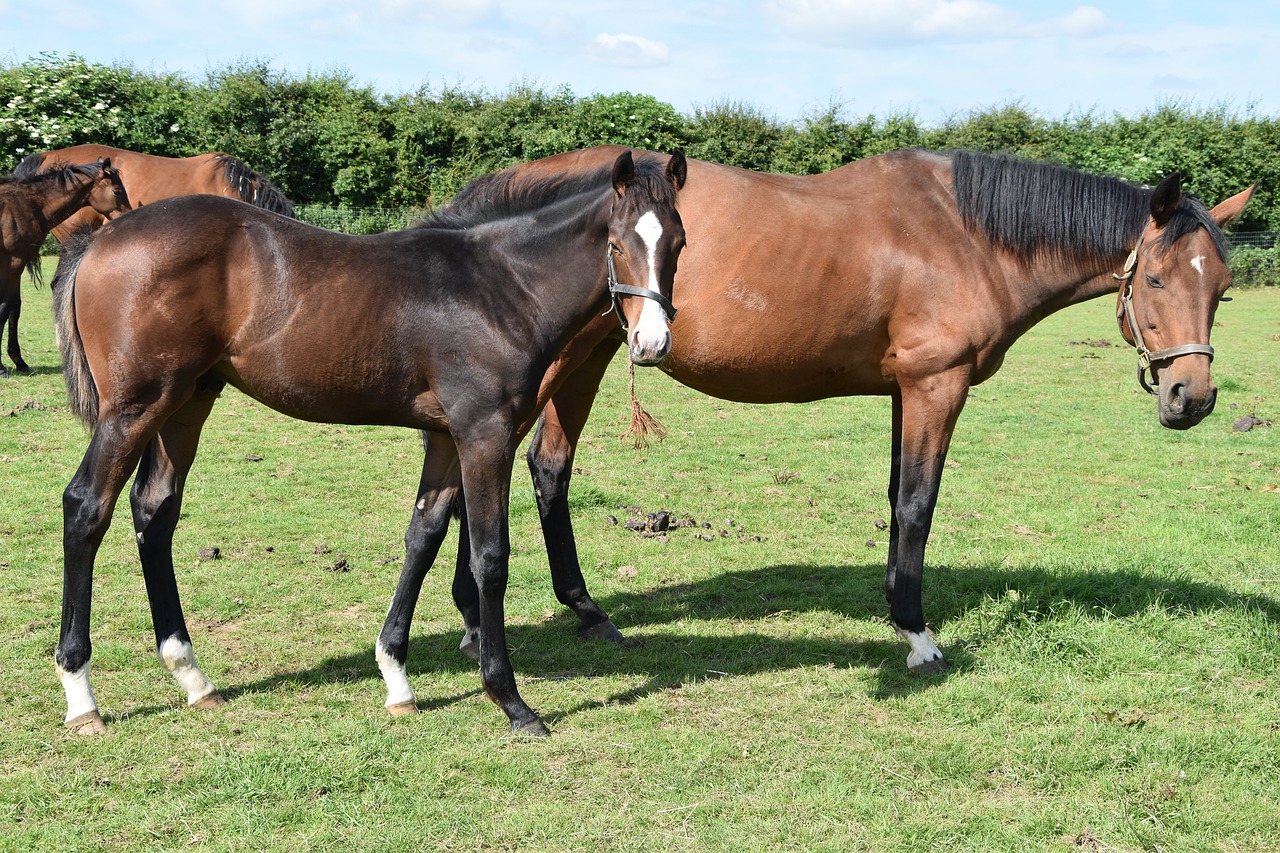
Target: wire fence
1253	239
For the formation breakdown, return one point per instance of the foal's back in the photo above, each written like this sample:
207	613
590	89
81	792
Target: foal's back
316	324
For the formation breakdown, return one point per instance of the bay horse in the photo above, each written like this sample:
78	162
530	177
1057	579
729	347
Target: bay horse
907	275
30	207
150	177
162	308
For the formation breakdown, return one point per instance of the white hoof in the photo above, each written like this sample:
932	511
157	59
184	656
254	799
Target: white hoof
924	656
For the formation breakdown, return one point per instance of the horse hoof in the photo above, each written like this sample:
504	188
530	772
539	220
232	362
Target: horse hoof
470	645
89	723
209	701
403	709
533	728
937	666
605	631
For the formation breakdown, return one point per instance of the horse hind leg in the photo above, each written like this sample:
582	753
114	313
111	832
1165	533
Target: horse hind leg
438	491
156	501
87	505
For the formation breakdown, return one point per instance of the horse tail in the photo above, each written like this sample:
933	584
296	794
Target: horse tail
253	187
82	391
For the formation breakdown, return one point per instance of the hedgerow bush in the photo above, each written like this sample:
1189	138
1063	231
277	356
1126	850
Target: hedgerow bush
325	140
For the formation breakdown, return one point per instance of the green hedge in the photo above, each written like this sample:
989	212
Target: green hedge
1255	267
325	140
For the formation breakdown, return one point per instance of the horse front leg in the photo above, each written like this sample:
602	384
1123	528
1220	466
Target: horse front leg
487	459
10	296
895	483
87	504
436	500
929	410
15	349
156	502
550	459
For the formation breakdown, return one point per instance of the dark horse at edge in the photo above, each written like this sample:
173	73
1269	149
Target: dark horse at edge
151	177
33	205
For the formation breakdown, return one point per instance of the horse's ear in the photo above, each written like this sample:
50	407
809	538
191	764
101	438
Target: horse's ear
624	171
1164	201
105	163
1226	212
677	169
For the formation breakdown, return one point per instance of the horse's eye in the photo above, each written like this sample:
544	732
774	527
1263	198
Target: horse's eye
1154	281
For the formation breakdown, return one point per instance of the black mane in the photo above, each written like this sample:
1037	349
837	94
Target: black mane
252	187
60	174
1036	210
512	193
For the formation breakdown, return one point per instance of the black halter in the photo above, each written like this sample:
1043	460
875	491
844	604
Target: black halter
1147	358
617	290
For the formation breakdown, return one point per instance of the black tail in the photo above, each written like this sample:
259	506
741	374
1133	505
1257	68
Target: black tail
254	188
82	391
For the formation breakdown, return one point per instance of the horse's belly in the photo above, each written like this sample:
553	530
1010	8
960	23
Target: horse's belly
333	396
778	380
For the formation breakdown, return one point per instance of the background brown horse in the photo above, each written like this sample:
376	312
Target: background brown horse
149	178
907	275
30	207
449	328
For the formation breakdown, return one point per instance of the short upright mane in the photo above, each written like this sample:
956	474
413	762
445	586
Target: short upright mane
1036	210
516	192
61	175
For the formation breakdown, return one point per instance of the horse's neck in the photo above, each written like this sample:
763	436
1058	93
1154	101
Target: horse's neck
58	206
1050	286
569	282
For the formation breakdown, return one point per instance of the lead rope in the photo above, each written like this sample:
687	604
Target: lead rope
643	424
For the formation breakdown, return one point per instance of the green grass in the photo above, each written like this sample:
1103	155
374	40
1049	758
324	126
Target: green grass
1104	589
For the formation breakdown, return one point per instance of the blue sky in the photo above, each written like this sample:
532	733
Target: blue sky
788	58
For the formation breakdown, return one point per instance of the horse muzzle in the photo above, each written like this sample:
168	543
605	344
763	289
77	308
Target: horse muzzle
648	350
1183	403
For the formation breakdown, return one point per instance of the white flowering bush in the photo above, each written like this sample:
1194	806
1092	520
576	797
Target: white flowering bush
49	102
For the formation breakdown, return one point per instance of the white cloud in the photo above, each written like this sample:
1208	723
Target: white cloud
848	22
630	51
1083	21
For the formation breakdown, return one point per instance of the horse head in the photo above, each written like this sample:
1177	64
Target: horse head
645	239
1169	291
108	195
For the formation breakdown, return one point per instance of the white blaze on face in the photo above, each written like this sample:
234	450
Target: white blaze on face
650	336
1198	263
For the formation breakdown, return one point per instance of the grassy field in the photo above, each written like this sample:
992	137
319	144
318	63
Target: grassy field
1107	593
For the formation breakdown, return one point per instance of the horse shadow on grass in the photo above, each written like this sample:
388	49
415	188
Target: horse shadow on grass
668	659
